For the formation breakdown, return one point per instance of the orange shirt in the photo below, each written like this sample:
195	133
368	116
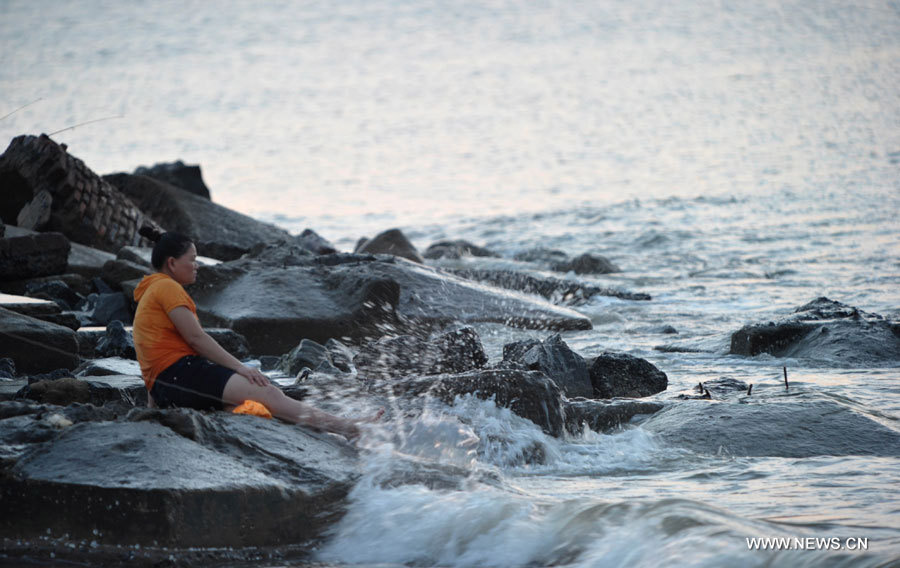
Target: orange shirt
156	339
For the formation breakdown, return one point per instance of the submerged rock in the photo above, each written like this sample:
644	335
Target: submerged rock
824	331
456	249
621	375
605	415
795	429
587	264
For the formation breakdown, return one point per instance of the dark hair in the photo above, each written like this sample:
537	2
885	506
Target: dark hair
167	244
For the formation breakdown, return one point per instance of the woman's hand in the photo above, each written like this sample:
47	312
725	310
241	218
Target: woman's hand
253	375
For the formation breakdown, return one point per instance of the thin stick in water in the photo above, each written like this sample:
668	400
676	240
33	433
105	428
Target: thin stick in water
785	379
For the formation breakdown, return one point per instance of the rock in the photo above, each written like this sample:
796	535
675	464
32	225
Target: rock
36	213
456	249
2	229
44	310
392	242
277	301
795	429
101	309
84	208
56	291
315	244
558	291
554	358
30	256
177	174
231	341
60	392
175	479
542	255
7	368
603	416
826	332
616	375
530	394
587	264
217	232
37	346
341	355
307	354
117	271
116	342
83	260
142	256
108	366
406	355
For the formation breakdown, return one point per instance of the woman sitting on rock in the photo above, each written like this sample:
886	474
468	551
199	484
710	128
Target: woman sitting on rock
183	366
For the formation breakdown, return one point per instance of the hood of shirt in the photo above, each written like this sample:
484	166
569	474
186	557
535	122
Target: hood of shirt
145	284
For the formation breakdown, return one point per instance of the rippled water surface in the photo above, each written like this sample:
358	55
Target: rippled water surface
735	159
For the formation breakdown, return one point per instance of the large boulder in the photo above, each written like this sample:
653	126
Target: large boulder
826	332
36	255
621	375
555	359
38	174
281	297
404	355
217	231
186	177
392	242
314	243
83	260
177	479
587	264
37	346
556	290
790	429
530	394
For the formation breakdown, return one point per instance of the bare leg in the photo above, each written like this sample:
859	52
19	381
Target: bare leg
238	389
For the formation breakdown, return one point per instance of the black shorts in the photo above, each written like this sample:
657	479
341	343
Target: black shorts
191	382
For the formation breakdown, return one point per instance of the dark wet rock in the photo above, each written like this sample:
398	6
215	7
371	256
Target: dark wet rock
668	329
177	174
605	415
116	342
555	359
722	386
35	255
101	309
615	375
529	394
308	354
175	478
37	346
56	291
672	348
542	255
269	362
456	249
587	264
341	355
392	242
2	229
49	376
141	256
108	366
275	300
314	243
82	206
231	341
7	368
117	271
44	310
794	429
405	355
218	232
824	331
558	291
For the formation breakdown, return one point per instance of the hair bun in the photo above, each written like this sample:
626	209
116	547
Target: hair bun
150	233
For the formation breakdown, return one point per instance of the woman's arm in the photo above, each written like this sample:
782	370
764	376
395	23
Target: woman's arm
187	325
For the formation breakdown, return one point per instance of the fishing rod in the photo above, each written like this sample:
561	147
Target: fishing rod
88	122
20	108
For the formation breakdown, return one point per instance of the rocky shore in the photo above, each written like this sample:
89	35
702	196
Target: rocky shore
89	474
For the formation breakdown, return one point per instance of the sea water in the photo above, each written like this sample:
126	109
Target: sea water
735	159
